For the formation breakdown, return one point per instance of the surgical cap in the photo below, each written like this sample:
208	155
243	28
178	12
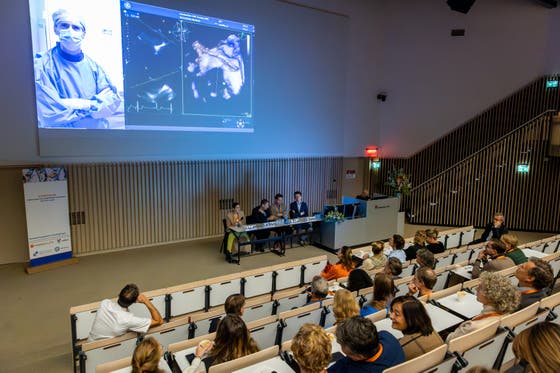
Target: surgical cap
65	15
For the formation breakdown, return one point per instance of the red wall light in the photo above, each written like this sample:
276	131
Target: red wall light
371	151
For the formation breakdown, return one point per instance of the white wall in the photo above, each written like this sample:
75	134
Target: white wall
435	82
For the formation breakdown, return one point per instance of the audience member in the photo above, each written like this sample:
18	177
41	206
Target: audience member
535	278
319	289
378	259
393	268
425	258
235	218
114	319
481	369
410	317
358	279
419	243
537	348
495	229
383	290
232	341
510	241
235	304
423	282
366	350
344	305
432	242
496	252
397	244
498	297
298	209
311	347
342	268
278	212
147	356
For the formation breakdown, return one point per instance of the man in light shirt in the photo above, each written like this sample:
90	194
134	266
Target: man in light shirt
114	318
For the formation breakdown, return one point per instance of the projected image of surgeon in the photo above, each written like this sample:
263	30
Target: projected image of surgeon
73	91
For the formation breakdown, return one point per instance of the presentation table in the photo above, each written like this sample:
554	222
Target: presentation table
276	224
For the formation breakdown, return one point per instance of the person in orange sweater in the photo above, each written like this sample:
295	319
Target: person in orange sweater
342	268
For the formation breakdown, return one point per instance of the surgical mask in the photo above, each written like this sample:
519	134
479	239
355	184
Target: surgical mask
71	40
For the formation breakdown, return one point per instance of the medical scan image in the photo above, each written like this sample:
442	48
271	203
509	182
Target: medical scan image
180	73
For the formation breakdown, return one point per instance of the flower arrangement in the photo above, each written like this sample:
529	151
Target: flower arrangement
334	216
398	181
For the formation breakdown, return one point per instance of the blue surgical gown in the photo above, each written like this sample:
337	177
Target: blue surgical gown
58	76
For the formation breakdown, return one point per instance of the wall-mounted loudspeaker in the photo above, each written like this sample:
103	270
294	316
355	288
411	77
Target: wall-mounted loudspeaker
462	6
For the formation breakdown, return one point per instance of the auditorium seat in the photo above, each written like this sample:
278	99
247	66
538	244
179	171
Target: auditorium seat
480	347
258	310
257	284
288	277
264	331
421	363
516	323
291	321
292	301
187	298
552	303
98	352
220	290
171	332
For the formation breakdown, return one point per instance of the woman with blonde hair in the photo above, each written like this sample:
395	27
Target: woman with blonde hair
342	268
432	242
419	243
146	357
498	297
311	347
345	305
378	259
538	348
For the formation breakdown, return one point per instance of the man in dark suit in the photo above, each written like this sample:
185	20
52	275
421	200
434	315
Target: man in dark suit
495	229
298	209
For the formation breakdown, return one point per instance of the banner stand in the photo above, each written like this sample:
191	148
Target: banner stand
47	267
48	219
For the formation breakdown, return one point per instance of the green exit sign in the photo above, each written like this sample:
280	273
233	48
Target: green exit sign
552	84
375	165
524	168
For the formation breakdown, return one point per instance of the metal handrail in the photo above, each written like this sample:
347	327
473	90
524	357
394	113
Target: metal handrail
486	147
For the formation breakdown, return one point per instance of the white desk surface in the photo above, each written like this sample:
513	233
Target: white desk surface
181	357
276	364
537	254
441	319
468	306
465	271
360	254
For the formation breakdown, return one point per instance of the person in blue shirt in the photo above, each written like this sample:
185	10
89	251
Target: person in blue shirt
366	350
72	90
383	291
397	244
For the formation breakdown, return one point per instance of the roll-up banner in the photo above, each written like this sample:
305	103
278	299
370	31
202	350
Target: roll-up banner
46	209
